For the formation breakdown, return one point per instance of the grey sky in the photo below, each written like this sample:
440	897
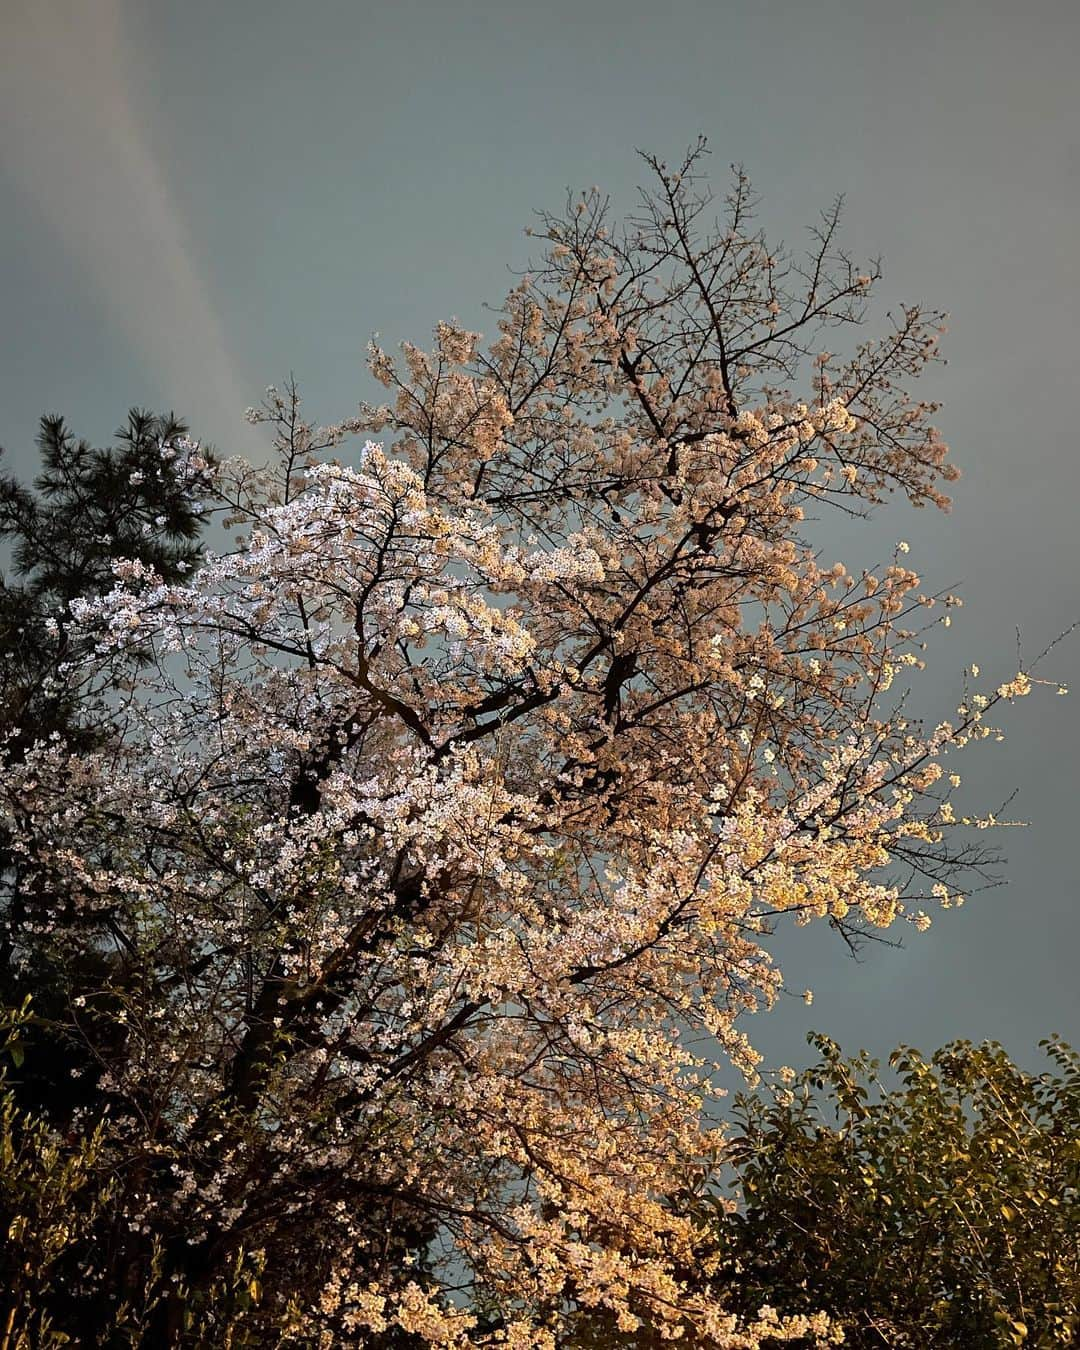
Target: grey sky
201	197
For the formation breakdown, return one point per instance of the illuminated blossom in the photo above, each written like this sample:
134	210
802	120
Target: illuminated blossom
454	805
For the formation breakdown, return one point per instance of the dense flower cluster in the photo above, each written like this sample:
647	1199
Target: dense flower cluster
454	807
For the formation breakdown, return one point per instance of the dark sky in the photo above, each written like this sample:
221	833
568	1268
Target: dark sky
199	198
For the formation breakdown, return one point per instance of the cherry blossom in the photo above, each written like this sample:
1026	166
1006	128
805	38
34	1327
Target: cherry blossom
453	807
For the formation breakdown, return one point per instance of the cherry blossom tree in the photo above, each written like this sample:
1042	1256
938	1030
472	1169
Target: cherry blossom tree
453	806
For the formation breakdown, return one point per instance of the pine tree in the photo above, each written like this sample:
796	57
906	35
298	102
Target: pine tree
86	507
